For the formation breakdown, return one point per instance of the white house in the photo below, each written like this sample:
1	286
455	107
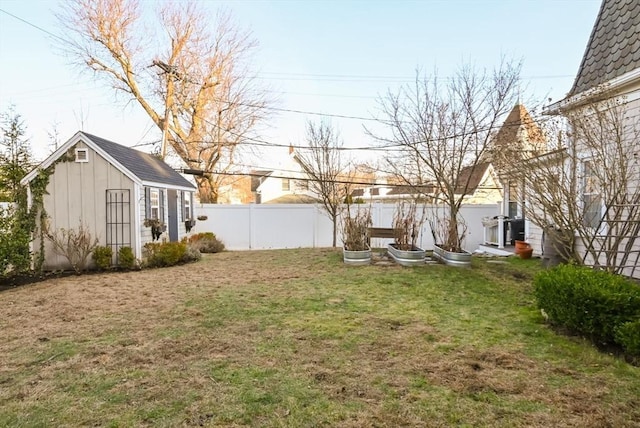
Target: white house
479	183
112	189
288	184
610	74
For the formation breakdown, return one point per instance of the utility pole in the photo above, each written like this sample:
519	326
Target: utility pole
172	72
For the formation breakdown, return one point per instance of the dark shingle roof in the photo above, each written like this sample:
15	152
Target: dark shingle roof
614	45
143	165
257	177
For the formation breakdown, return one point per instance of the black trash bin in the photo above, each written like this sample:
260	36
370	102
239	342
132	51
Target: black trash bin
516	227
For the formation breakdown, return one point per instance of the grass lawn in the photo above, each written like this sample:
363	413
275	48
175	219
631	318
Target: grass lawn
296	338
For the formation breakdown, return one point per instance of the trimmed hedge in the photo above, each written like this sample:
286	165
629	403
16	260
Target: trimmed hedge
600	305
628	336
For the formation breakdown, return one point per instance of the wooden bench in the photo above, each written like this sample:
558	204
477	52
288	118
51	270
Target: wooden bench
381	232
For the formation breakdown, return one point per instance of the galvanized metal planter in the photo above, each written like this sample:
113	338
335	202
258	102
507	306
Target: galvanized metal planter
356	258
412	257
452	258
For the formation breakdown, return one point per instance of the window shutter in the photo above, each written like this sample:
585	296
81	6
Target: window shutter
183	204
147	202
161	203
190	196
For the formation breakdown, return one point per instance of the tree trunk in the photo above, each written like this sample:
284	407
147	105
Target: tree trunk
452	232
335	230
207	190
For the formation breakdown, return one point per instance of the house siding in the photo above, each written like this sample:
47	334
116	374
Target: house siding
68	203
632	131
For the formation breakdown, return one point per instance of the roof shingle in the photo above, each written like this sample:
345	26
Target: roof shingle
143	165
614	45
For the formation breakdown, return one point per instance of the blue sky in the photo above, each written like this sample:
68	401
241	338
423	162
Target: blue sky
331	57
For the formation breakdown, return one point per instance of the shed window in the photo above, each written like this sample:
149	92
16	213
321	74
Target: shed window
154	203
82	155
186	205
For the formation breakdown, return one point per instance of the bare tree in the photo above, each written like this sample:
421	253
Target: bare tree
585	194
441	127
193	83
326	169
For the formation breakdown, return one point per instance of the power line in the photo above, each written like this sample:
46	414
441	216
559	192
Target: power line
258	142
307	179
32	25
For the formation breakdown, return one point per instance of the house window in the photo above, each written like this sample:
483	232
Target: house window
82	155
286	184
513	200
592	200
302	184
154	203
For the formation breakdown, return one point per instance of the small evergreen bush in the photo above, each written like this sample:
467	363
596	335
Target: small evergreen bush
165	254
594	303
102	257
126	259
206	242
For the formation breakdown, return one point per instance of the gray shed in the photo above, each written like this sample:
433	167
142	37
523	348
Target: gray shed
112	189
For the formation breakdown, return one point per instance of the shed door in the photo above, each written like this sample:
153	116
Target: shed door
172	196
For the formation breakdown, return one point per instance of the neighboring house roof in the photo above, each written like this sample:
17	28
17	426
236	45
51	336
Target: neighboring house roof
518	138
137	165
293	199
257	176
509	134
411	190
614	45
473	175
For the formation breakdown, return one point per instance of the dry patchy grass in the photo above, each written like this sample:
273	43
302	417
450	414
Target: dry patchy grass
295	338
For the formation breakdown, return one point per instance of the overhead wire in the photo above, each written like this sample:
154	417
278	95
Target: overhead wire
260	142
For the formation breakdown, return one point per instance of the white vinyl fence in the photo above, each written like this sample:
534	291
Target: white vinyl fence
265	226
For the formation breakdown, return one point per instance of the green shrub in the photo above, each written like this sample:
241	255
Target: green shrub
589	302
164	254
102	257
628	336
126	259
206	242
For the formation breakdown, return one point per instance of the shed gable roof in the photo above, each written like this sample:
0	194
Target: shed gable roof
614	45
143	165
